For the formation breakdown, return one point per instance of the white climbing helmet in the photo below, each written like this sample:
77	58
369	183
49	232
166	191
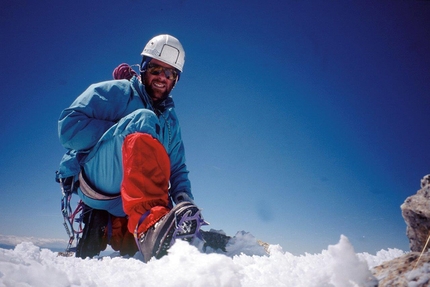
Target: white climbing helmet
167	49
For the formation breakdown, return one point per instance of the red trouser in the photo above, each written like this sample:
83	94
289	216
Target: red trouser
145	180
121	240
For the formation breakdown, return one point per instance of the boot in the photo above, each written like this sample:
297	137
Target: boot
182	222
92	240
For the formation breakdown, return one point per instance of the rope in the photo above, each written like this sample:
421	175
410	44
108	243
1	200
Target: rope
123	71
422	252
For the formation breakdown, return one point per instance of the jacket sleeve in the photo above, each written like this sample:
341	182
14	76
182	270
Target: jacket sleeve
97	109
178	169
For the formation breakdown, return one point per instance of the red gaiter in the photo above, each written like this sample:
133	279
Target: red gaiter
145	180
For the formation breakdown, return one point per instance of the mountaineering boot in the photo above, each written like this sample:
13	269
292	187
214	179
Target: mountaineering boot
92	241
182	222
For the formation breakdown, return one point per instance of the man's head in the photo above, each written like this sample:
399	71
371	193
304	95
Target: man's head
162	63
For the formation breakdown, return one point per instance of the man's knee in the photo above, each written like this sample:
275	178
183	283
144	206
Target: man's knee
141	120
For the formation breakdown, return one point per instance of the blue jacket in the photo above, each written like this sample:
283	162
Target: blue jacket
100	107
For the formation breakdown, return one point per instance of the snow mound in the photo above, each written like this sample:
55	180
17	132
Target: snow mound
339	266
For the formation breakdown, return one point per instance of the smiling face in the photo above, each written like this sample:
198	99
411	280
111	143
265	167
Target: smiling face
158	86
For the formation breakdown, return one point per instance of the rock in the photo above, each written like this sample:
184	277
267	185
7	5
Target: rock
403	270
416	213
265	245
413	268
425	181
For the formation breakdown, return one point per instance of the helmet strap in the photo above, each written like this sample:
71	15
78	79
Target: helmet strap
144	63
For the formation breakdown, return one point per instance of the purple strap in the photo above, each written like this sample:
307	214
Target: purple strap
142	218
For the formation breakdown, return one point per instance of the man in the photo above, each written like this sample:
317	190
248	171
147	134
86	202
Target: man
125	149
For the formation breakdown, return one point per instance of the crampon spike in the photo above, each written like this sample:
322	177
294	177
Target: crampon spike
188	226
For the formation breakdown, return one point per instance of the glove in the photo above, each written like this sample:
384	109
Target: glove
182	196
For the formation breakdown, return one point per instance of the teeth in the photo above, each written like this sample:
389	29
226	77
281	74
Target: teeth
159	85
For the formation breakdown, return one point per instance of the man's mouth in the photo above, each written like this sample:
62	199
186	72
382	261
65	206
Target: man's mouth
158	85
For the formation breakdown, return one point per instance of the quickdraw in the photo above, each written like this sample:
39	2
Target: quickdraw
71	218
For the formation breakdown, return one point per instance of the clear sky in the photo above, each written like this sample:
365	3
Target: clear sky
302	120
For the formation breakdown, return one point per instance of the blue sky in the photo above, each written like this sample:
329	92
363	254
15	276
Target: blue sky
302	120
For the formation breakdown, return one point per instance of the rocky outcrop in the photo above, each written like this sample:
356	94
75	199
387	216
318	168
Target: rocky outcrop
416	213
413	267
403	270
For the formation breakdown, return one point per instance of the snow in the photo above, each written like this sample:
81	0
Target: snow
246	263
